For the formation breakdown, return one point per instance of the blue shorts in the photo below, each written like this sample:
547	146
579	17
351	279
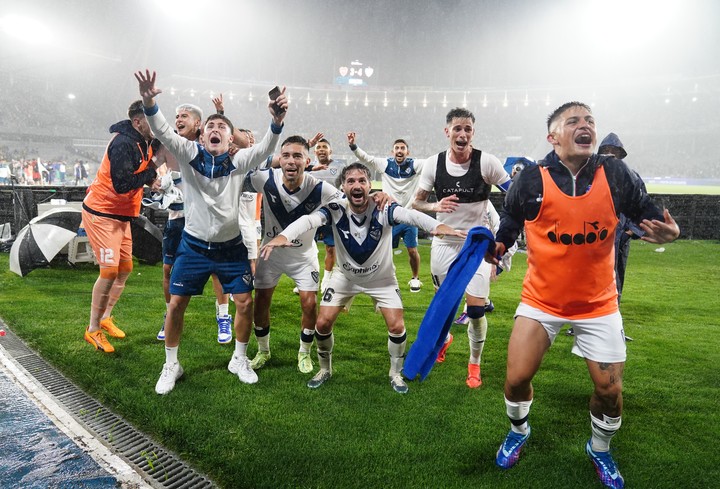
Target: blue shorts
194	265
171	239
408	233
325	234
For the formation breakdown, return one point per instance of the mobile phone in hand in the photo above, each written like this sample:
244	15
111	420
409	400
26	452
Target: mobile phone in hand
274	94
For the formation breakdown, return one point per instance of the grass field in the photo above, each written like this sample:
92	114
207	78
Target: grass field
659	188
355	431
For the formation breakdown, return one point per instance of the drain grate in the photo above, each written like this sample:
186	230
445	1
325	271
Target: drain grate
157	464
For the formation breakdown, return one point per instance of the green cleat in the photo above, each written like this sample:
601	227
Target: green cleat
261	358
305	364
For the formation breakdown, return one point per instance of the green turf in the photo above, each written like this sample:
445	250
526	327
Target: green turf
355	431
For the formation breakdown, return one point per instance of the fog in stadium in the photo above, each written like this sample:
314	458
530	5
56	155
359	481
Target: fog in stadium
651	70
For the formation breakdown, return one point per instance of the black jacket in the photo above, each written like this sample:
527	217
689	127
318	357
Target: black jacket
523	199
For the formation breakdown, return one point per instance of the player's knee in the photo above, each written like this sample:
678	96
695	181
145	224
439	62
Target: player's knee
109	273
243	303
475	312
609	391
308	303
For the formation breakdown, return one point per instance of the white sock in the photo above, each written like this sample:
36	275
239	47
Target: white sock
603	431
222	310
396	348
263	340
306	346
171	354
240	349
477	332
518	413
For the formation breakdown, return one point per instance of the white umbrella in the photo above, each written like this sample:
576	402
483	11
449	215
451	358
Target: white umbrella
38	242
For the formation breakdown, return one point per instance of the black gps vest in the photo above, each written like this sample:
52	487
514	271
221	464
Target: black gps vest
469	188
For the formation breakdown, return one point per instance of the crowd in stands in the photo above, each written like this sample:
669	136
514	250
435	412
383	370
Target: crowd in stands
670	136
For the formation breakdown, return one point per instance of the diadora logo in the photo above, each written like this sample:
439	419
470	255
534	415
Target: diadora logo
590	234
346	234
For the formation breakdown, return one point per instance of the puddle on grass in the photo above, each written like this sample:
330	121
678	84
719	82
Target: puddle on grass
34	453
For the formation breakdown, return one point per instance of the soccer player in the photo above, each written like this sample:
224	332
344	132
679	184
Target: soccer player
363	232
288	194
211	241
569	205
400	176
323	154
461	177
112	200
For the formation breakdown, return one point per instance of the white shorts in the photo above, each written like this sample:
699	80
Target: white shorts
442	256
600	339
303	270
340	291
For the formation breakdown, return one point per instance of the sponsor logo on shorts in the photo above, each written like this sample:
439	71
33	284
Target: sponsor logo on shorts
315	276
178	284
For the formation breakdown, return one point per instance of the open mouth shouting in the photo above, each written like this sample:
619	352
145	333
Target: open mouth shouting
584	139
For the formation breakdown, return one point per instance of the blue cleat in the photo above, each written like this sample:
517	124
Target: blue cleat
606	468
509	451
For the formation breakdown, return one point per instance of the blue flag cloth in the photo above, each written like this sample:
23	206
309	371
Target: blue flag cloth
441	312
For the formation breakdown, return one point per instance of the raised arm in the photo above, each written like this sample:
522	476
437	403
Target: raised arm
378	164
181	148
448	204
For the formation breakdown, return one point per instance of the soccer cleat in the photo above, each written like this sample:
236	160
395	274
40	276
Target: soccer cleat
489	306
170	373
241	368
109	325
462	319
161	334
415	285
443	350
296	291
398	384
605	467
224	329
570	332
261	358
473	377
305	363
509	451
319	379
98	340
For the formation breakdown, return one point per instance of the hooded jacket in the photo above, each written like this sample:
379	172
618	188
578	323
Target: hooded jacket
117	191
612	139
524	197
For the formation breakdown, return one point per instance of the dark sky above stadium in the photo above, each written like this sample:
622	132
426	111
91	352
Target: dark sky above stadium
427	43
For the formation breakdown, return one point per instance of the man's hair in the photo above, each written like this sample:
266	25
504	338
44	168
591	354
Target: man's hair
193	109
227	121
558	112
323	140
296	140
459	113
353	166
397	141
135	109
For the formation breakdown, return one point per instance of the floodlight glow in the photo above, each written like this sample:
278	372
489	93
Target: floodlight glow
618	21
307	99
71	96
28	30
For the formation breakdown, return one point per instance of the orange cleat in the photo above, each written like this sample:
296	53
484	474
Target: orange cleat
108	325
473	378
98	340
443	350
